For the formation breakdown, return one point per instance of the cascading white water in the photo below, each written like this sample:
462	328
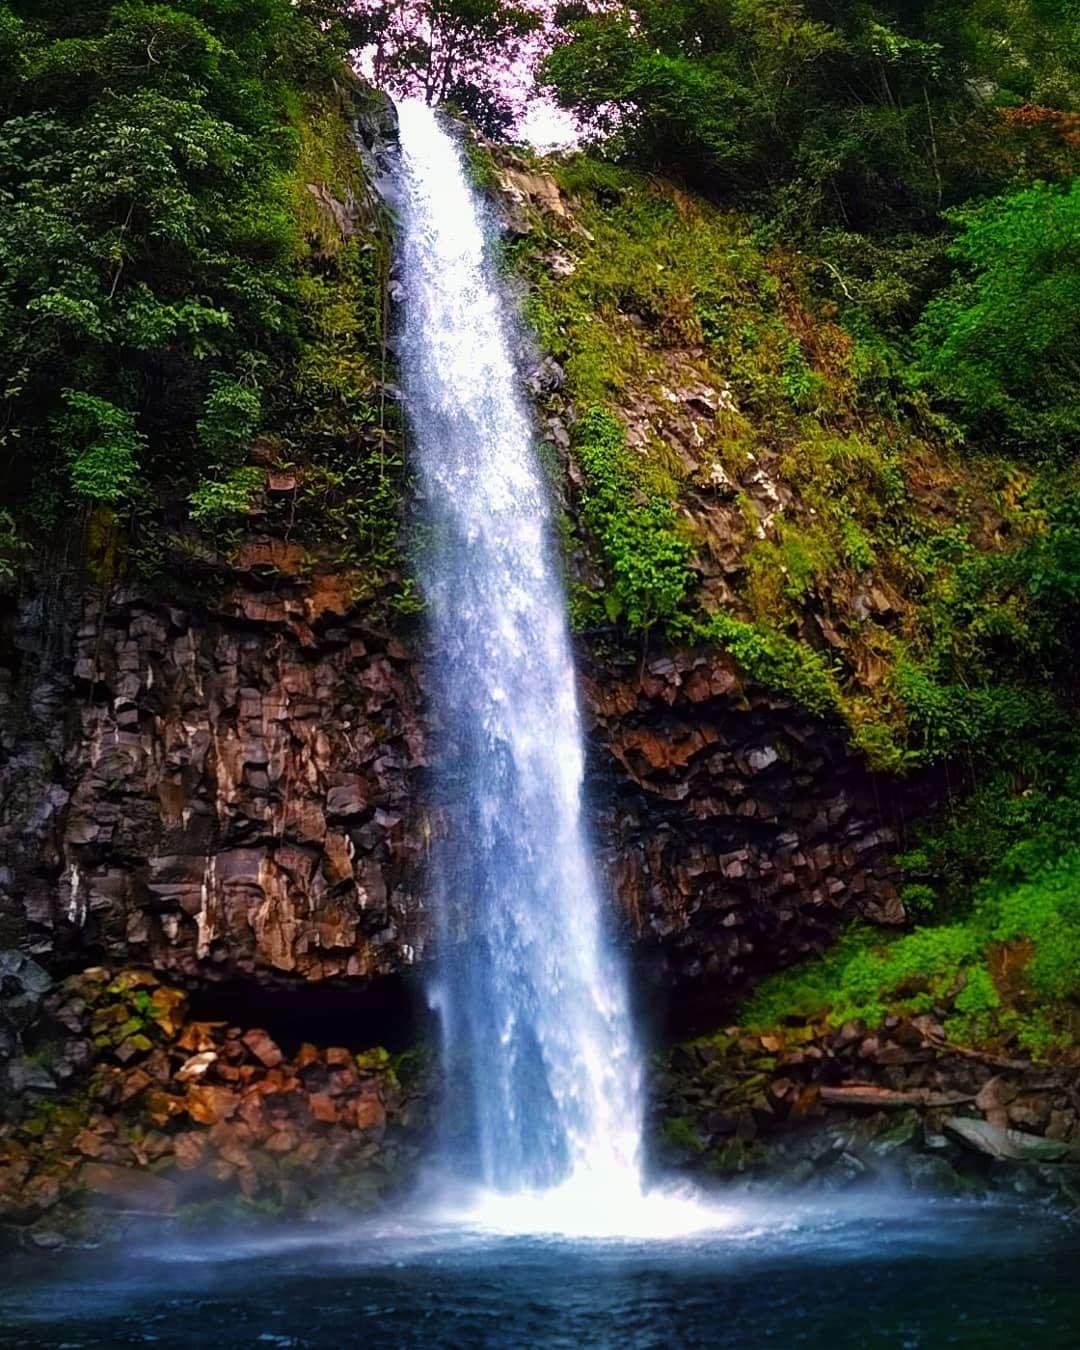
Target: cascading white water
533	1001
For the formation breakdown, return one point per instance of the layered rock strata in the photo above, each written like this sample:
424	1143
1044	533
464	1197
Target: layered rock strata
237	792
737	830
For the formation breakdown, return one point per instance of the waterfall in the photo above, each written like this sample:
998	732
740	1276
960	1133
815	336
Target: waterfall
532	999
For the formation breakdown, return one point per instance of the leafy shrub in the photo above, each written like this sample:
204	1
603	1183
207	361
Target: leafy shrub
216	500
865	113
1030	898
1045	911
102	444
641	546
802	386
771	660
999	341
11	548
230	416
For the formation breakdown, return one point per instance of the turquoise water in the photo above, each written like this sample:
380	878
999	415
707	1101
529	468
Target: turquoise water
877	1273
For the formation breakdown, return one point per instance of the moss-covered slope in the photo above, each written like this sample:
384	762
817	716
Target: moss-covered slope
753	465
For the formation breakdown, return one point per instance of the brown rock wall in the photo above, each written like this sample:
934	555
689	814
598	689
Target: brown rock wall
738	831
238	790
36	727
240	793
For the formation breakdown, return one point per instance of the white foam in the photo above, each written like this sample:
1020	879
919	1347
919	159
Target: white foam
595	1206
531	994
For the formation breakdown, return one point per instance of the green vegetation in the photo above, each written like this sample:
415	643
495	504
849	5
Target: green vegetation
1009	970
868	115
907	375
922	597
146	240
216	500
771	660
999	342
180	311
643	551
839	389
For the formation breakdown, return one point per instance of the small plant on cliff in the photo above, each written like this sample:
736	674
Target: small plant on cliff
103	446
770	659
11	548
642	548
219	499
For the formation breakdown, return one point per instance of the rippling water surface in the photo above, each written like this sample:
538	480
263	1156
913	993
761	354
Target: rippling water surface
879	1272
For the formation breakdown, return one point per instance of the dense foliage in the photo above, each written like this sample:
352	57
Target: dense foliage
1000	342
644	554
880	291
156	310
869	114
1006	969
145	236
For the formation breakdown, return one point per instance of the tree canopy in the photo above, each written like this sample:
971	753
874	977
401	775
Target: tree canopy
146	238
866	114
461	52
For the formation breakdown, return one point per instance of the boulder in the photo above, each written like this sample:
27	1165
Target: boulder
196	1067
210	1105
1011	1145
132	1190
23	986
263	1048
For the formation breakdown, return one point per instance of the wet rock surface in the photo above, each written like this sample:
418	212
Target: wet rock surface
830	1108
232	796
240	790
737	832
37	727
125	1103
135	1107
237	791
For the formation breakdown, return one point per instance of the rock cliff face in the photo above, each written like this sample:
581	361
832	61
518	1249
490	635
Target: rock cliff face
145	1108
218	787
738	832
234	787
238	791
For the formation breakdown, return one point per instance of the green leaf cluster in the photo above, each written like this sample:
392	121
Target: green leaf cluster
643	550
1000	342
216	500
148	241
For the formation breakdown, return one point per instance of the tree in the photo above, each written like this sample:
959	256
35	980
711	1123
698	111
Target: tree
1000	344
451	51
147	240
867	114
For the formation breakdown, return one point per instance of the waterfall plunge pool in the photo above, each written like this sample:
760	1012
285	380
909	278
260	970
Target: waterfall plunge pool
534	1009
875	1271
